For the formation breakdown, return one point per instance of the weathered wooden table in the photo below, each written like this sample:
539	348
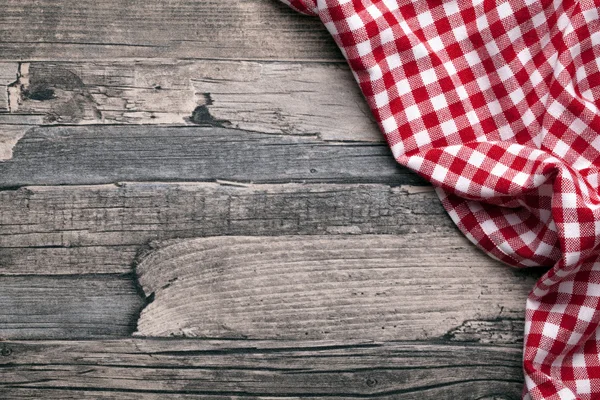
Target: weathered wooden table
196	203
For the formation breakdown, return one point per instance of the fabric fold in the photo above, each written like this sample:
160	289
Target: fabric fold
496	102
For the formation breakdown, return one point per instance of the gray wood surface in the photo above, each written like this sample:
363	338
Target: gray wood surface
194	369
64	230
8	75
322	287
81	237
128	29
68	306
223	151
107	154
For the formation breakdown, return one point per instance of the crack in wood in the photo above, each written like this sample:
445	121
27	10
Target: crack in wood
16	88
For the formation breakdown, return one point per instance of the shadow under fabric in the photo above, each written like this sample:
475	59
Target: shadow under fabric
496	102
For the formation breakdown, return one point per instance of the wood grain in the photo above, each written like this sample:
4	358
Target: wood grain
322	287
193	369
71	232
71	306
271	97
12	129
8	76
98	229
117	29
108	154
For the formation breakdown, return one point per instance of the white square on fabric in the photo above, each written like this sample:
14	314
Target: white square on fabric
578	360
517	96
354	22
472	117
425	18
574	338
386	36
381	99
422	138
463	184
436	43
524	56
489	226
438	102
429	76
591	15
398	149
439	173
393	61
544	249
504	10
499	169
389	124
578	126
520	178
484	83
391	4
586	313
448	127
492	48
540	356
572	257
583	386
460	33
572	230
472	58
565	394
420	51
550	330
514	33
375	72
450	68
364	48
476	159
560	148
569	200
415	162
528	117
495	107
373	10
565	287
403	87
451	7
462	92
593	289
412	112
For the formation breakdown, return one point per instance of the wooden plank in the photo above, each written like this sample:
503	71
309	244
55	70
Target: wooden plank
322	287
8	76
278	98
12	128
98	229
67	306
108	154
194	369
88	29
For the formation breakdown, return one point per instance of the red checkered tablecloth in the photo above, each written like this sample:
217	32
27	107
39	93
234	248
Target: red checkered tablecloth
496	102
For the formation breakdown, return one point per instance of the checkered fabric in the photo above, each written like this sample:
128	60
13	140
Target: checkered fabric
496	102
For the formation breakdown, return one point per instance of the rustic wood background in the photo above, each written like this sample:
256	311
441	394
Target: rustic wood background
196	203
